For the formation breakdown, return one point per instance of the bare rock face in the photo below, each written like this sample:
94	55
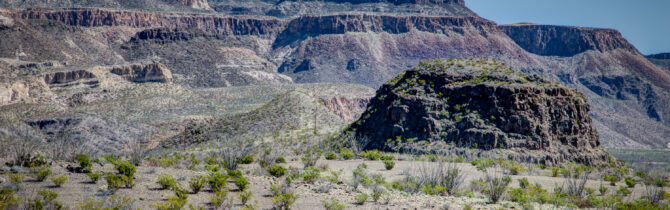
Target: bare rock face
549	40
482	104
155	72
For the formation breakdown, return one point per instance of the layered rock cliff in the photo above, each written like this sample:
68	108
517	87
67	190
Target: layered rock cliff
481	104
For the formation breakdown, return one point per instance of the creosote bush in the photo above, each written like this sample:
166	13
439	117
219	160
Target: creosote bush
166	181
41	173
59	181
94	176
276	170
360	199
282	196
346	154
333	204
196	183
331	156
388	164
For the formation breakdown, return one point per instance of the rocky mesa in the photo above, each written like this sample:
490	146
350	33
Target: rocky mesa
484	105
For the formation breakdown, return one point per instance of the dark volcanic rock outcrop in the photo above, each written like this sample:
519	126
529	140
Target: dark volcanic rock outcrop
483	104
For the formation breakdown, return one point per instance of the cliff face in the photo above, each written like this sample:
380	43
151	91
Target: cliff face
155	72
565	41
485	105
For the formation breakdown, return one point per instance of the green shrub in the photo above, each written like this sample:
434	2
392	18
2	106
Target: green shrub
114	182
172	203
245	196
84	161
59	181
196	183
94	176
361	198
602	189
333	204
630	182
389	164
16	178
247	159
48	195
623	191
166	181
612	179
217	181
331	156
519	195
113	202
372	154
276	170
241	182
387	157
310	157
281	197
346	154
234	173
641	174
219	198
41	173
280	160
310	174
523	183
554	171
483	163
8	200
433	190
495	187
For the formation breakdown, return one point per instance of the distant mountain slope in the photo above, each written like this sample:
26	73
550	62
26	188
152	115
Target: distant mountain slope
661	59
358	41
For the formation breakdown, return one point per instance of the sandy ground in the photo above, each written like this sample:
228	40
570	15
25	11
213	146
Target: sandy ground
146	192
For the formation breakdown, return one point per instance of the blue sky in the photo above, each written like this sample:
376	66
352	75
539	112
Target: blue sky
644	23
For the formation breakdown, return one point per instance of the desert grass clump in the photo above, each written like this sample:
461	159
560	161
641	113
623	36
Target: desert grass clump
166	181
438	179
41	173
59	181
197	183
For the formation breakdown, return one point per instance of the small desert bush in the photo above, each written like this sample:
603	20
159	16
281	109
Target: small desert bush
114	182
371	154
84	161
172	203
331	156
280	160
166	181
495	187
282	196
310	157
8	200
611	179
217	181
241	182
438	179
196	183
310	174
247	159
333	204
113	202
41	173
483	163
245	196
59	181
623	191
220	199
523	183
388	164
346	154
360	199
94	176
276	170
16	178
630	182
